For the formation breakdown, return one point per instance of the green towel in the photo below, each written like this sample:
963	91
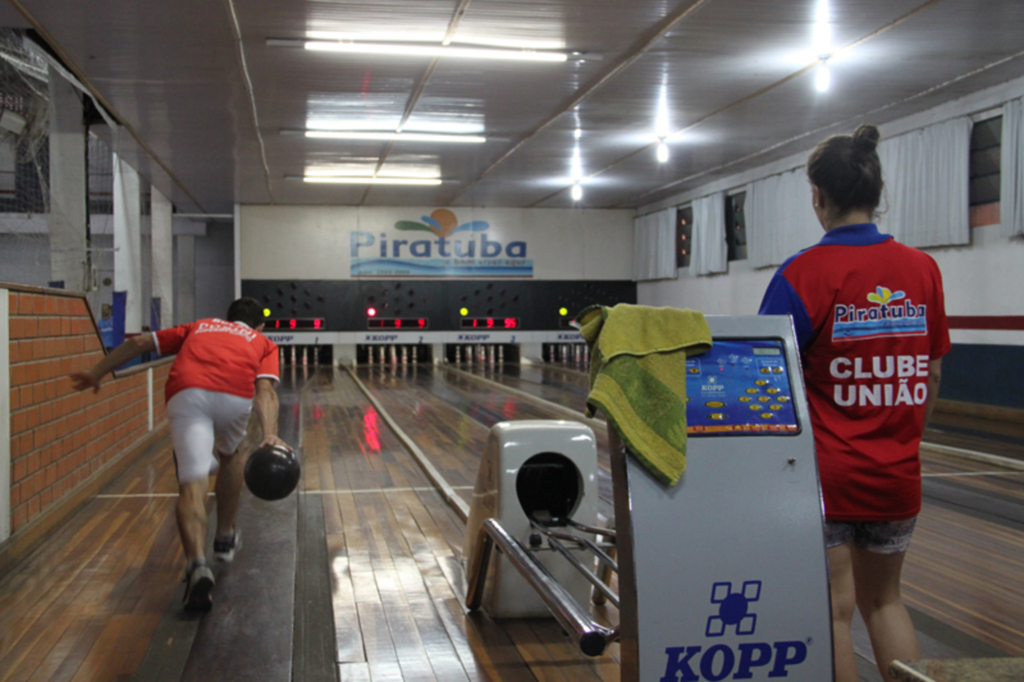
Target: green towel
638	378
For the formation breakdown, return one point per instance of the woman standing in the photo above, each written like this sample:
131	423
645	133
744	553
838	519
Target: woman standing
870	320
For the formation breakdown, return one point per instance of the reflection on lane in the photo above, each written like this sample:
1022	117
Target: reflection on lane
485	407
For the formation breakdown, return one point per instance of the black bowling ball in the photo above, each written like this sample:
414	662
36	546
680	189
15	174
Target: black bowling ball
272	472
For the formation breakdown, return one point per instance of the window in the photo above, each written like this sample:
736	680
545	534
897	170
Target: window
684	236
736	226
986	137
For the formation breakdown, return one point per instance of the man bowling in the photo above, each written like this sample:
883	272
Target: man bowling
222	369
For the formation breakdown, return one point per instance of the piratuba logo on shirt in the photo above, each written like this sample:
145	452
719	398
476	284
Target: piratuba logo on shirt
227	327
893	314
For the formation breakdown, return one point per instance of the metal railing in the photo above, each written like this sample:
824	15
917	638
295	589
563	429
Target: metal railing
591	637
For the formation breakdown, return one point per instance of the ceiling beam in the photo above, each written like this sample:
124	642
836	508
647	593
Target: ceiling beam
421	84
244	66
844	124
635	52
743	100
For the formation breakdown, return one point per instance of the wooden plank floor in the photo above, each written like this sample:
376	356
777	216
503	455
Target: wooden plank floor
87	603
395	548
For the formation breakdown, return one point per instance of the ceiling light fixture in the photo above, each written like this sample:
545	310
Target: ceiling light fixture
662	152
392	136
823	78
662	127
822	32
577	192
367	180
428	50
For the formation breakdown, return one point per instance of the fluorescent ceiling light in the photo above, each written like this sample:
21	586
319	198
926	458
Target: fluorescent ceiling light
427	50
390	136
823	78
577	192
662	152
662	128
576	165
354	180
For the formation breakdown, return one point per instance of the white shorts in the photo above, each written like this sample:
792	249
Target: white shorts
202	420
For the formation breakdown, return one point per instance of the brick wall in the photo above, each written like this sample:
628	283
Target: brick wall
60	437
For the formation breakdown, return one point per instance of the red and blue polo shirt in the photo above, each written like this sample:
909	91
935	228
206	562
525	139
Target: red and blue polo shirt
869	316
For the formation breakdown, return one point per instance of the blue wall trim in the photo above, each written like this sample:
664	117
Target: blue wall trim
990	375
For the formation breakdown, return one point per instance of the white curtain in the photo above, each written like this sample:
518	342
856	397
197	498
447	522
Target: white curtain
1011	190
780	219
926	176
654	246
710	252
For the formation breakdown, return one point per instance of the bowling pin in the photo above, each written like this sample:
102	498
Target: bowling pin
501	355
405	355
458	355
380	354
369	354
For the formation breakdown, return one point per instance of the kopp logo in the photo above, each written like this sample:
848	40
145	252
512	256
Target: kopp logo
743	661
733	608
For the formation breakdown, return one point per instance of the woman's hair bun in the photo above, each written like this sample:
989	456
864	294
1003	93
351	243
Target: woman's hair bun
865	138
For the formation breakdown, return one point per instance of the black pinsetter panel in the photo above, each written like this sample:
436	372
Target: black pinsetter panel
344	304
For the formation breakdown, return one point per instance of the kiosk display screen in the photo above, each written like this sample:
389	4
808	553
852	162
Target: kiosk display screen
740	387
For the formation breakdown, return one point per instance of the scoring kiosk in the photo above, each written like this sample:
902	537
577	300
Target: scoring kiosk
723	576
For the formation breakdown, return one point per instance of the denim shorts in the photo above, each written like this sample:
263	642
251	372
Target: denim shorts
880	537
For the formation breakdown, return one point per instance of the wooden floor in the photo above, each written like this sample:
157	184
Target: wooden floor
375	574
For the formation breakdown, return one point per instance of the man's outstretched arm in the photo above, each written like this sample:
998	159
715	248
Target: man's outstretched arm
133	347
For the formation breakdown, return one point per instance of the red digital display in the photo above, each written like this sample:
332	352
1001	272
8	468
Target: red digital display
297	324
490	323
409	323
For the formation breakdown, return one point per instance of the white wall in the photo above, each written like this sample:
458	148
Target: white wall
983	278
737	292
313	242
215	270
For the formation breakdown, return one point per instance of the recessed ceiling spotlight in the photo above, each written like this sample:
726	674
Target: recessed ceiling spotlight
369	180
662	152
577	192
823	78
427	50
392	136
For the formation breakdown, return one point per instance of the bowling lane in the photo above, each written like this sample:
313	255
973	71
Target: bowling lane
560	385
1002	438
449	415
394	546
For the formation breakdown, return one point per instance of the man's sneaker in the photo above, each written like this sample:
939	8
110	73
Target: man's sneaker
198	586
225	546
